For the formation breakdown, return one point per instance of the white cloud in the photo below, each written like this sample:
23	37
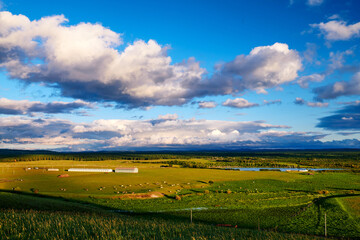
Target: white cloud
315	2
265	67
338	30
86	56
29	133
239	103
105	134
207	104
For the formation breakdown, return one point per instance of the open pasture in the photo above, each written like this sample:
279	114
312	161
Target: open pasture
150	177
290	202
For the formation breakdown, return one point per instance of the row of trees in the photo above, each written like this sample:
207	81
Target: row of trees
335	159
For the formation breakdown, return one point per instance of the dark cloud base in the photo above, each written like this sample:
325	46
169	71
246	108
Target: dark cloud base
347	118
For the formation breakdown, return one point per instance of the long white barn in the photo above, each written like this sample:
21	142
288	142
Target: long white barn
126	170
89	170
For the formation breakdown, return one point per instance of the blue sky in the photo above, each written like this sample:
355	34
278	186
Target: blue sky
119	75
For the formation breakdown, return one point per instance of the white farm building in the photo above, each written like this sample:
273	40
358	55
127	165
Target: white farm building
126	170
89	170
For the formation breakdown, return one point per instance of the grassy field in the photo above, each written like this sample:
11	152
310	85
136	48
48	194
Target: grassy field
65	225
159	200
27	216
151	177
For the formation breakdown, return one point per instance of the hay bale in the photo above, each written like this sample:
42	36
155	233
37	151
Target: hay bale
63	175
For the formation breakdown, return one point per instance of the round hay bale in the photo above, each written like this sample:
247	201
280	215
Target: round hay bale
63	175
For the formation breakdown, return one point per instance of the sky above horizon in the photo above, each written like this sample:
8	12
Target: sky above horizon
157	75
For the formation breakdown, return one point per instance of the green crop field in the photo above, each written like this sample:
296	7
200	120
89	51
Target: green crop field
158	202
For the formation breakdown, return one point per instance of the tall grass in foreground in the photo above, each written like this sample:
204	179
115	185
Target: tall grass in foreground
30	224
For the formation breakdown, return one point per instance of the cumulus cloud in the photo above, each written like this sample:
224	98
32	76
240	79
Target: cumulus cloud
314	2
338	30
347	118
300	101
22	107
86	56
239	103
207	104
265	67
341	88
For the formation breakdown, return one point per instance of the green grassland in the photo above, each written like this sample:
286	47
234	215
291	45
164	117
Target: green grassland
156	202
40	217
65	225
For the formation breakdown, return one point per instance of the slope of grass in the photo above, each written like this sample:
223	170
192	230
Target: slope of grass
339	222
26	201
65	225
25	216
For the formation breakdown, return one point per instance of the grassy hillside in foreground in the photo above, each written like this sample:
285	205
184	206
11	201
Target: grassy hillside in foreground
60	223
65	225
